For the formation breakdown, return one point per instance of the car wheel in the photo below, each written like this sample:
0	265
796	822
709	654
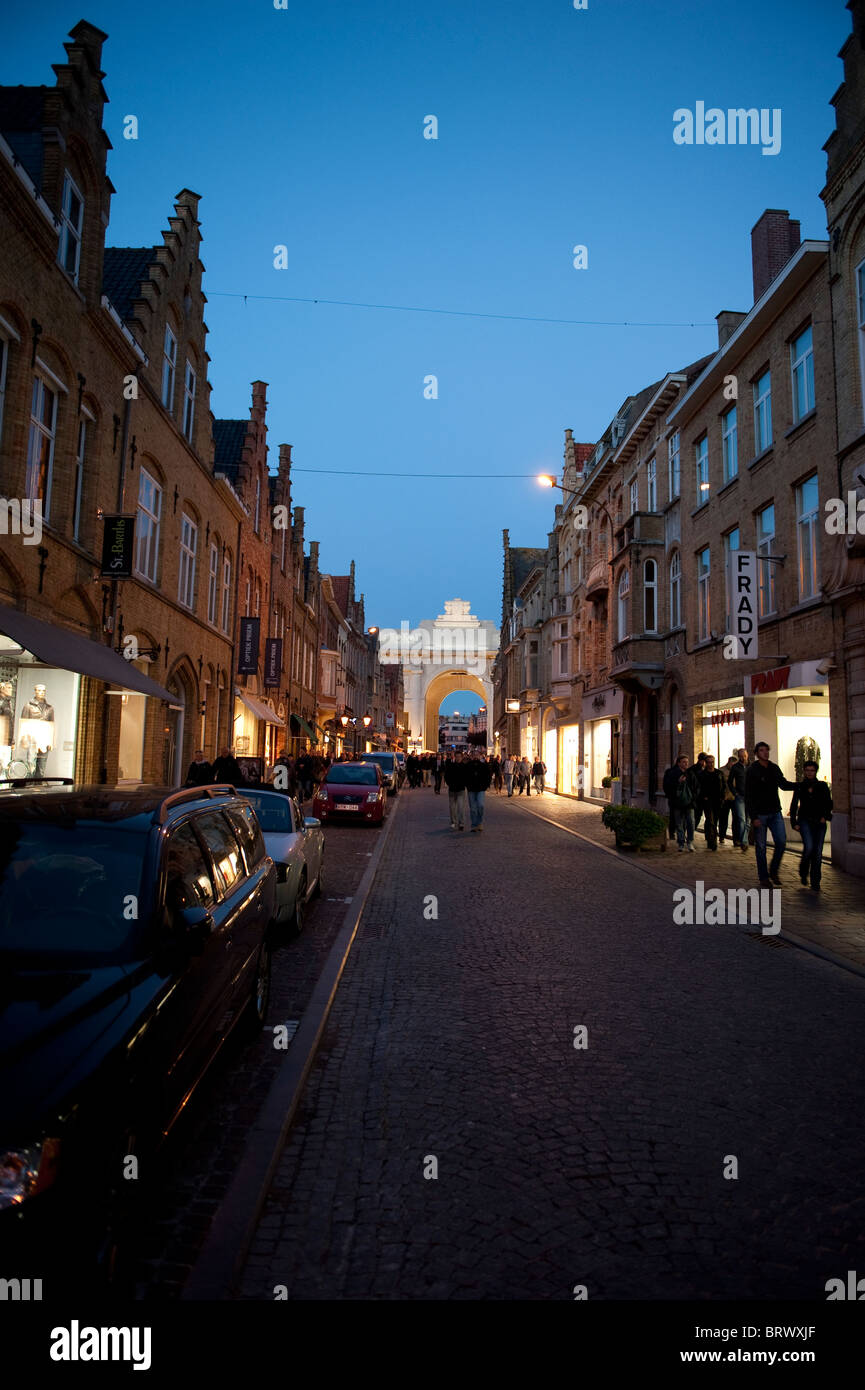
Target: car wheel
300	905
259	998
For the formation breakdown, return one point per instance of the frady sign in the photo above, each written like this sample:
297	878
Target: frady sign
745	602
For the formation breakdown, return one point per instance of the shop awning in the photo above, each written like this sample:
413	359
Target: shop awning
297	719
57	646
260	710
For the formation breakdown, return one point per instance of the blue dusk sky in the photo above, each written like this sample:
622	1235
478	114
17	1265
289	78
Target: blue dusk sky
304	126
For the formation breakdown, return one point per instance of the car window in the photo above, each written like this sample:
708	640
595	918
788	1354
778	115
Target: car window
248	832
298	816
188	882
222	843
272	810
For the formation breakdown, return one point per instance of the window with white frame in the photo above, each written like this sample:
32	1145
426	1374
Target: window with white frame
147	523
762	412
766	570
674	468
71	224
860	315
189	383
188	545
675	590
802	374
730	443
652	485
213	584
169	368
650	596
635	495
624	600
226	592
4	363
704	610
40	444
807	521
731	545
78	482
701	459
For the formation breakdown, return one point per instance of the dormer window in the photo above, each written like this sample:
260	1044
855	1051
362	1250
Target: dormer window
71	222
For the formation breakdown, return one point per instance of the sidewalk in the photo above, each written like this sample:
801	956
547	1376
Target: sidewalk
832	920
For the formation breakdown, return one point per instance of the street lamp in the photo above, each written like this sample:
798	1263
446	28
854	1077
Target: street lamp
367	720
547	480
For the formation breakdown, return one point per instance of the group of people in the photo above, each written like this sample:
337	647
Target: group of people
521	773
296	776
742	799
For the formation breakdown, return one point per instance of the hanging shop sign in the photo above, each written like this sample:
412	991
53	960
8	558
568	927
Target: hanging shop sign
272	660
247	655
118	538
745	602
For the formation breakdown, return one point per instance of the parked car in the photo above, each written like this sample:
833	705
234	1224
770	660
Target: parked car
351	792
389	769
134	936
296	846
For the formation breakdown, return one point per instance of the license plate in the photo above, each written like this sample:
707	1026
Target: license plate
348	808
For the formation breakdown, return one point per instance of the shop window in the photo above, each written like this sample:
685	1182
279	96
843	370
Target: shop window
730	443
701	459
147	524
188	547
802	374
675	590
731	545
40	445
766	577
650	596
624	597
169	368
674	469
704	612
807	509
762	412
189	385
71	223
652	485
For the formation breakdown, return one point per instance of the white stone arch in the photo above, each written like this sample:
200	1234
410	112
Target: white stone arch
454	651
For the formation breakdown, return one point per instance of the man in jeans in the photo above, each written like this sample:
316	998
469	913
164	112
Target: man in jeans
508	767
478	778
455	780
810	811
736	782
763	806
685	791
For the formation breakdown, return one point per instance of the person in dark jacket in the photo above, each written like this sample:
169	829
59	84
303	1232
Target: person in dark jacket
438	773
669	784
227	769
763	806
699	768
810	813
456	781
685	789
200	772
478	778
710	798
727	803
736	782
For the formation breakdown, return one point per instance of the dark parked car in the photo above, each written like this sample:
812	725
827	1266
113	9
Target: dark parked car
134	934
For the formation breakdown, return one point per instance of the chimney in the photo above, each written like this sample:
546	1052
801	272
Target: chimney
728	321
774	238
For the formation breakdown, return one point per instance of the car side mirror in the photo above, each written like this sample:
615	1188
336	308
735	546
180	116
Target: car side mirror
311	823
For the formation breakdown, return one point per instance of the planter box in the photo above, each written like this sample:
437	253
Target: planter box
657	842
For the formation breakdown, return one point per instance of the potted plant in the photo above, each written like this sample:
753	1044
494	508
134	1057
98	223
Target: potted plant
635	827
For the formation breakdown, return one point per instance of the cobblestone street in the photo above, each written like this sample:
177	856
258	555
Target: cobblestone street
453	1039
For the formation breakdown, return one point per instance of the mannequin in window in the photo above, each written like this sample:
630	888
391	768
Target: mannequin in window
5	720
36	730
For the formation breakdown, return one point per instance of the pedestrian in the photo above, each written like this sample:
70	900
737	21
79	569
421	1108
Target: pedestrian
685	799
699	767
670	783
411	769
525	777
763	805
711	787
810	812
508	769
200	770
427	768
226	768
727	803
539	772
496	773
736	778
478	778
282	774
438	773
455	780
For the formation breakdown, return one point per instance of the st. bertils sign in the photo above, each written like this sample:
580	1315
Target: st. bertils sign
118	538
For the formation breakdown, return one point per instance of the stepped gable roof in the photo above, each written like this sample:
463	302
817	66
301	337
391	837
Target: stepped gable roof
123	271
522	560
21	122
340	583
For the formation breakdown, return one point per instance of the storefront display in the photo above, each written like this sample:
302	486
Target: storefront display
723	729
791	714
569	750
38	717
602	712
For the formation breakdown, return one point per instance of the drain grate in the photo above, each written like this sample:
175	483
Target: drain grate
768	940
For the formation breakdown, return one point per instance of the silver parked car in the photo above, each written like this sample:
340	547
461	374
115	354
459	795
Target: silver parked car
296	846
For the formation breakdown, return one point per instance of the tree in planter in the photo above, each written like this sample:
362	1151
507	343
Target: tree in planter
633	825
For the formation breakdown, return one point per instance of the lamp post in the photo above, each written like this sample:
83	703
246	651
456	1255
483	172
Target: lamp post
367	720
343	719
547	480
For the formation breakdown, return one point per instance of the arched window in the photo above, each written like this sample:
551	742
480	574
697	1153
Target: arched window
650	596
624	595
675	591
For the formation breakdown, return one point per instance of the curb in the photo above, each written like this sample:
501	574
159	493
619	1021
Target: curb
804	945
221	1259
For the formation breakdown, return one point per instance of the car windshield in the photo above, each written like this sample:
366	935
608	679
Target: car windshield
70	890
272	809
383	759
352	775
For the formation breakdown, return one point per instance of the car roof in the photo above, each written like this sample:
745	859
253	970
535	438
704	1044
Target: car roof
152	804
